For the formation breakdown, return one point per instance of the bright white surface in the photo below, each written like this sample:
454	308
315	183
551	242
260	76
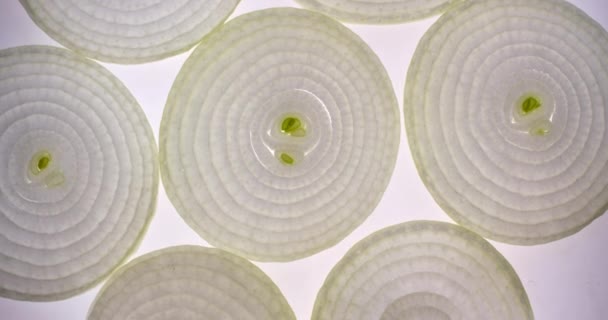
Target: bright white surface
567	279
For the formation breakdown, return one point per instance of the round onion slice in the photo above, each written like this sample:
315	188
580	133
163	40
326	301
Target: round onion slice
422	270
128	31
506	115
378	11
280	135
79	173
190	282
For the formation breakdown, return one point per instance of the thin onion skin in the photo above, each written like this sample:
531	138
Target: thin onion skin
369	12
219	125
75	231
513	179
410	268
195	274
124	34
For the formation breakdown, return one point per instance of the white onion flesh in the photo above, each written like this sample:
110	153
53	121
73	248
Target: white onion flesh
221	143
190	282
78	173
512	173
128	31
422	270
378	11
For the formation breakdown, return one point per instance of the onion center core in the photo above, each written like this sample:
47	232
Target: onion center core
41	170
289	131
529	105
291	126
532	116
40	161
286	158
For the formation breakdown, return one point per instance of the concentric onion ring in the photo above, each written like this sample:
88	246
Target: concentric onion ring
132	31
506	115
422	270
378	11
190	282
78	173
279	135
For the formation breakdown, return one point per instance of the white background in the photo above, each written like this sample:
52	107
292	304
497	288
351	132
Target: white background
567	279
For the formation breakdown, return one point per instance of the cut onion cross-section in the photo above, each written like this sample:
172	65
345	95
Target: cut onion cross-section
190	282
78	173
378	11
280	135
422	270
506	112
133	31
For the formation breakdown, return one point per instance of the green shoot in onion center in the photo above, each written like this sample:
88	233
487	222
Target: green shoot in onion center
541	128
529	105
293	126
529	108
290	124
43	163
40	161
286	159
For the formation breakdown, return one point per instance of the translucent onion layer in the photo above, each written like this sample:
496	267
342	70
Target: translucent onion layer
190	282
280	135
78	173
133	31
506	115
378	11
422	270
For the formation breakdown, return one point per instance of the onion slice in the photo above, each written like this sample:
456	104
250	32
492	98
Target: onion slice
422	270
78	173
506	115
280	135
190	282
128	31
378	11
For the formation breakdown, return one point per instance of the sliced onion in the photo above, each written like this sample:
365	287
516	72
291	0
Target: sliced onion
378	11
506	115
190	282
280	135
79	173
128	31
422	270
